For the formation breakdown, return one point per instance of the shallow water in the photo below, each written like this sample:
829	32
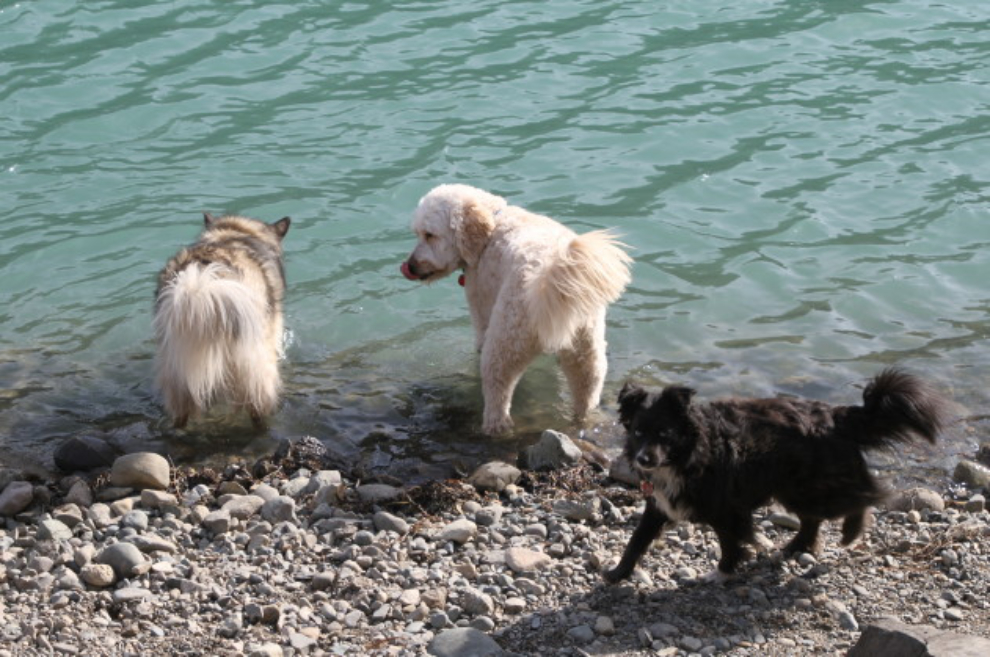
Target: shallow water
804	184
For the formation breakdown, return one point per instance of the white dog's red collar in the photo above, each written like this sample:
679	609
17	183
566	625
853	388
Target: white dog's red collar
460	279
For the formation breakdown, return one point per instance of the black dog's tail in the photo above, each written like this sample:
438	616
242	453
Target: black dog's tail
898	407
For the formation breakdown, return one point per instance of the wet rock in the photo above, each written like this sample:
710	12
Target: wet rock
553	451
83	453
16	497
494	476
141	470
973	474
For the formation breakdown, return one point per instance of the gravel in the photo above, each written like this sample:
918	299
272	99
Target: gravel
305	561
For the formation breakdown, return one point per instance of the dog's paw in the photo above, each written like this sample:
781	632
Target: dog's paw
497	426
616	574
715	577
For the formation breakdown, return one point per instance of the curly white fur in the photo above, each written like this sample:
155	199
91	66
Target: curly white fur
532	285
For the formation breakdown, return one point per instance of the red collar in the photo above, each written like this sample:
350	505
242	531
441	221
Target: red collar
460	279
646	487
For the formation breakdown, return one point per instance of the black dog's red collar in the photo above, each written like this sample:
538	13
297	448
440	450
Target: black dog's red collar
646	487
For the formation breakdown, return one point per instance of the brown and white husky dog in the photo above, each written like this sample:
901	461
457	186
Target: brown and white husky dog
218	319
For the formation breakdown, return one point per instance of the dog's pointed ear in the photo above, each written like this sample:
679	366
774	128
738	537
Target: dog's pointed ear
208	219
631	394
678	397
472	227
281	227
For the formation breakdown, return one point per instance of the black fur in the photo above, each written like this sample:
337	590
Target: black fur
717	462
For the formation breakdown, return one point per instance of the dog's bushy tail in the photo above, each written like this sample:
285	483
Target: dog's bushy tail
590	272
898	407
211	327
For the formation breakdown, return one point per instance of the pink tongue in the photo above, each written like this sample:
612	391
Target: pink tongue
408	274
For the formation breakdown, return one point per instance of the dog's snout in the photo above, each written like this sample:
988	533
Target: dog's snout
408	269
646	459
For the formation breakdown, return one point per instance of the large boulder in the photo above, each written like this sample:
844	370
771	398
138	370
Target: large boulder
888	637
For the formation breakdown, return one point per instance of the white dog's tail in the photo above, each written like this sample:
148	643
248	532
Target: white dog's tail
211	331
590	272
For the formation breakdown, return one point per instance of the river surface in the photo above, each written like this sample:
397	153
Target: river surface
805	186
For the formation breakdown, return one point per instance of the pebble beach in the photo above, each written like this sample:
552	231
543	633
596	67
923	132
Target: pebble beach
286	557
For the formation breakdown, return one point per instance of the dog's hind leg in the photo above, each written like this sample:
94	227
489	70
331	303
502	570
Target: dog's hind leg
584	364
852	526
806	539
646	531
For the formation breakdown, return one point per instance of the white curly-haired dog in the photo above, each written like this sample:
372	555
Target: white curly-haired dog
532	284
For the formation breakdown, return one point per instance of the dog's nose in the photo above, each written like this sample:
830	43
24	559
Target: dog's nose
645	460
408	269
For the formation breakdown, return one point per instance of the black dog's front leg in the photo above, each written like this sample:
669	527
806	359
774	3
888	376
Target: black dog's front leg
648	529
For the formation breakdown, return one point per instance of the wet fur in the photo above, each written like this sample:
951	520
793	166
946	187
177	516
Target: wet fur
532	286
218	319
716	463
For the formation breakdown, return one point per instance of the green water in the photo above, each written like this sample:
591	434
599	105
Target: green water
805	185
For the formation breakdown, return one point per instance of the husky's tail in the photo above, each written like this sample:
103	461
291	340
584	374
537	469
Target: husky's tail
898	407
212	332
590	272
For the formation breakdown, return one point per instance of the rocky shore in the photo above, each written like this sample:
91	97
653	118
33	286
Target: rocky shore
288	557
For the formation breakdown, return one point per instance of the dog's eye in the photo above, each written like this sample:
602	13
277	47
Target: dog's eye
428	236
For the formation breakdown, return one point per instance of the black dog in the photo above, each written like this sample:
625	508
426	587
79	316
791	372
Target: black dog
715	463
